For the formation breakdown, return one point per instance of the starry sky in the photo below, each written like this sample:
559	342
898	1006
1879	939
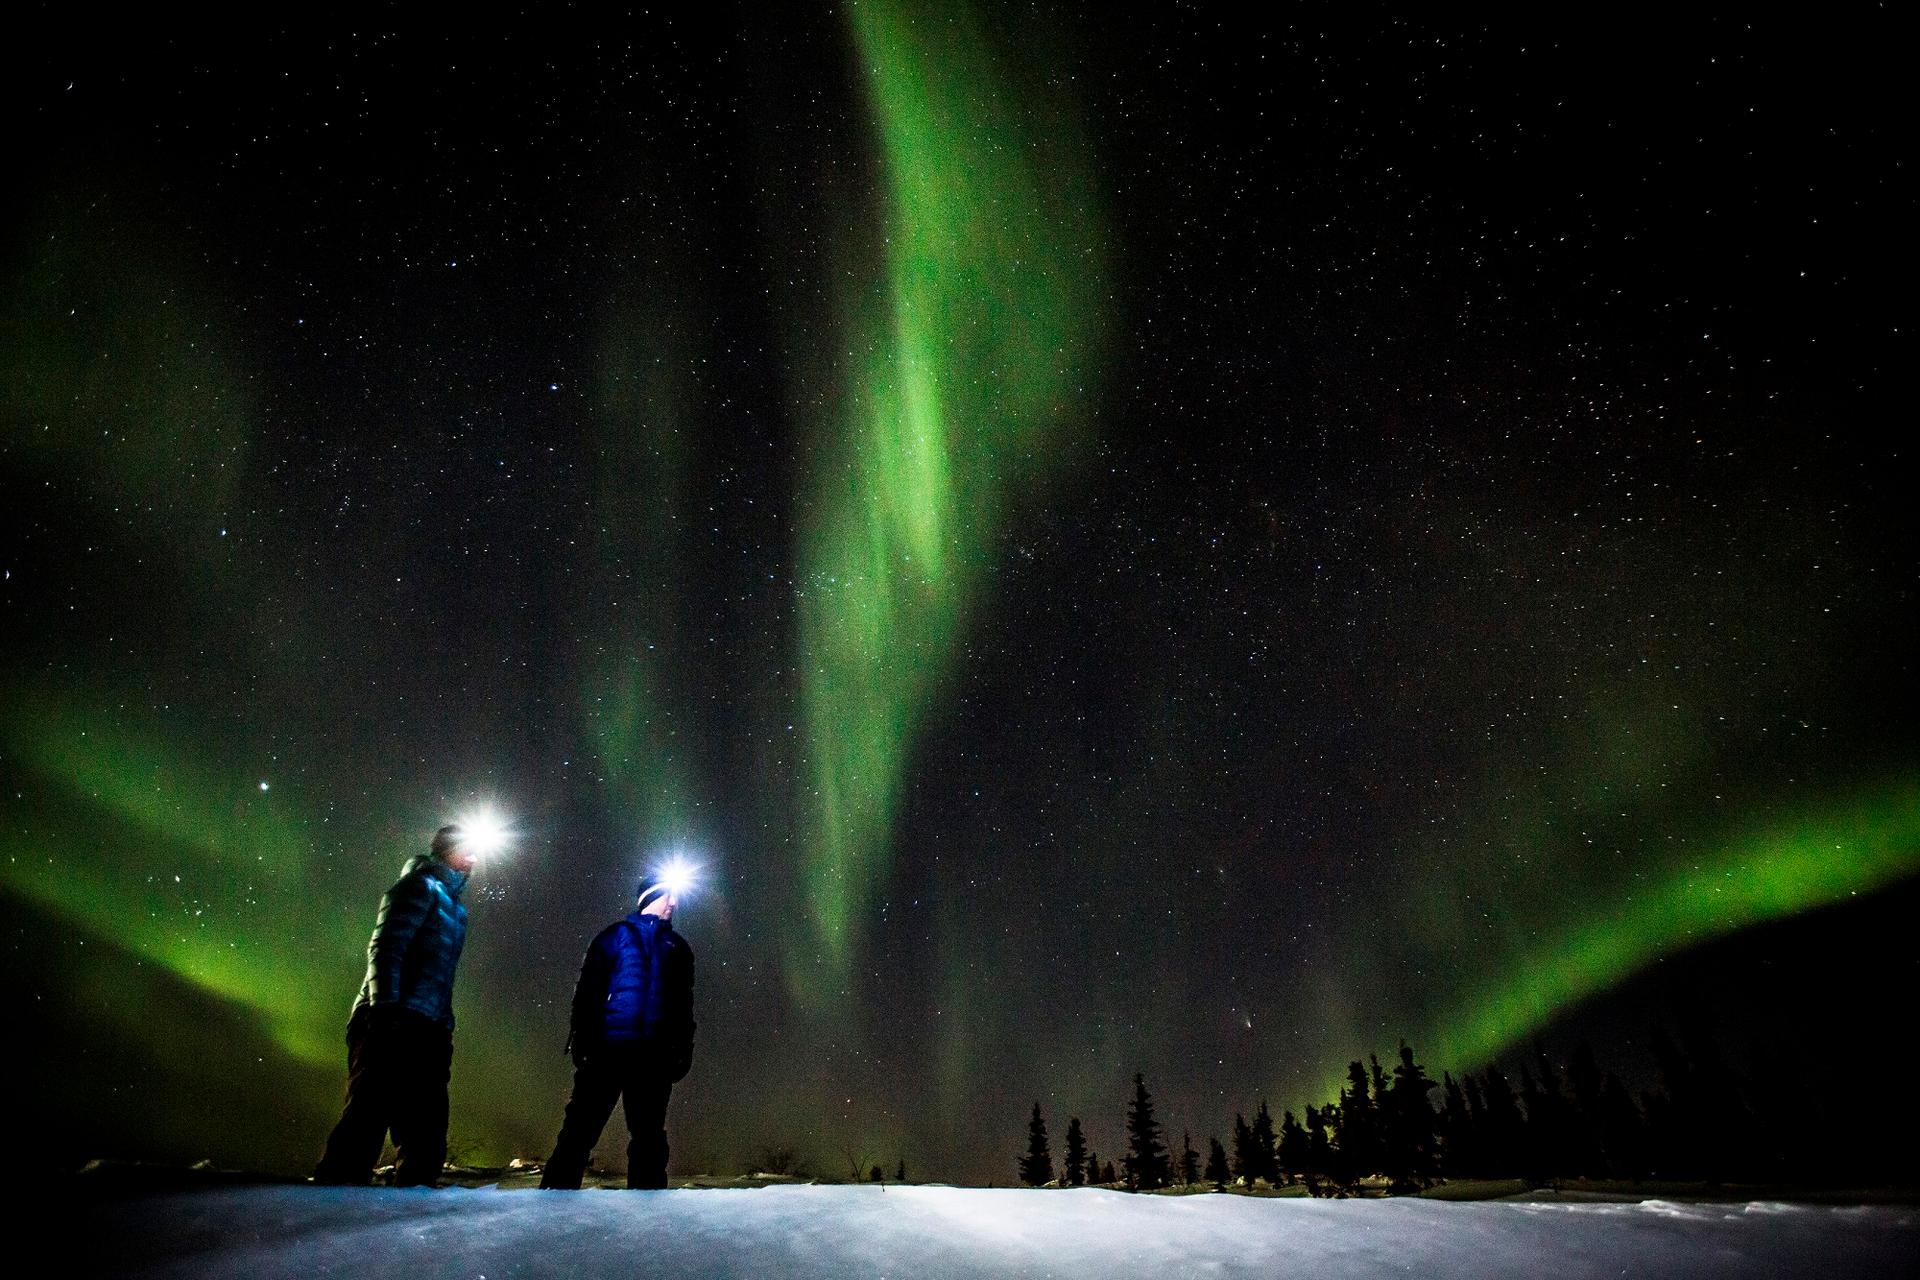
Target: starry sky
1123	540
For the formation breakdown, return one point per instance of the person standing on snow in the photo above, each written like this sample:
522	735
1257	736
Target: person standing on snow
400	1035
631	1038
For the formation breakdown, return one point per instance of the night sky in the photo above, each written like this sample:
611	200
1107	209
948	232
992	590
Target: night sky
1123	541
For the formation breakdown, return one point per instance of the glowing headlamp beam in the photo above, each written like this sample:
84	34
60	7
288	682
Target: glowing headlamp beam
676	876
483	833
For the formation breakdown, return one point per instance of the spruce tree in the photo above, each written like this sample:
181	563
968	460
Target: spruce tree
1266	1166
1456	1130
1379	1078
1243	1158
1292	1155
1036	1167
1356	1130
1555	1145
1540	1140
1729	1130
1478	1157
1676	1112
1189	1160
1503	1135
1146	1158
1217	1164
1623	1137
1093	1167
1107	1175
1410	1126
1318	1170
1584	1081
1076	1171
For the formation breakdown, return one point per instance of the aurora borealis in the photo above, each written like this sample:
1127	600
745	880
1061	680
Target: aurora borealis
1143	542
965	387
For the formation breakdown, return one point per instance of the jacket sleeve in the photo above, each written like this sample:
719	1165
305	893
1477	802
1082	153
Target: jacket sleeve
680	1010
402	912
590	995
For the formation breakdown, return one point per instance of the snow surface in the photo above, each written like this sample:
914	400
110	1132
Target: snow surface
929	1233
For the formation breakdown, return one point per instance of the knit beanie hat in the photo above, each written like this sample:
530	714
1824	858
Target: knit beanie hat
651	887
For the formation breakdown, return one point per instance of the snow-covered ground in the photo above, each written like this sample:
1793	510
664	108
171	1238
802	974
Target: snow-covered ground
926	1233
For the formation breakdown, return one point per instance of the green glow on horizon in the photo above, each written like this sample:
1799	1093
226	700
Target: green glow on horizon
186	864
158	791
1867	843
961	394
153	843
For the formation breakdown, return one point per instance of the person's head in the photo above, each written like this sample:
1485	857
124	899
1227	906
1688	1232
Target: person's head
655	897
447	847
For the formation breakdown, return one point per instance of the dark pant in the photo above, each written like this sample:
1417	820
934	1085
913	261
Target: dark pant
599	1080
398	1064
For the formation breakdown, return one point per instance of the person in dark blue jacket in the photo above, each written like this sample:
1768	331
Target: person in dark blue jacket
400	1035
632	1038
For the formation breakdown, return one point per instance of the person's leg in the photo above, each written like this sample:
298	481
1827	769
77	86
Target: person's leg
420	1113
355	1142
596	1087
646	1099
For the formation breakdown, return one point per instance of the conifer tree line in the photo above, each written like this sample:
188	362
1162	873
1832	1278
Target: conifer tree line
1401	1127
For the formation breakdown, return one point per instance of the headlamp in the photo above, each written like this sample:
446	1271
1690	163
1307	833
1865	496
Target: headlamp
483	833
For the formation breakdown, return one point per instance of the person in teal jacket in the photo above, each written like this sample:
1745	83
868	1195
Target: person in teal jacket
400	1034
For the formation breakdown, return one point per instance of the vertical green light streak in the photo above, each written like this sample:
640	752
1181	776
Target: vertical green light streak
642	445
960	394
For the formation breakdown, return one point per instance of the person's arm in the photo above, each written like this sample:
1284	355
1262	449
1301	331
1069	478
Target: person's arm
589	996
402	911
680	1008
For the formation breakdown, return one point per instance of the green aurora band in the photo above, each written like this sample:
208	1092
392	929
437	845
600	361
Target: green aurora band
169	851
141	822
124	394
183	861
632	612
969	336
1869	840
965	394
